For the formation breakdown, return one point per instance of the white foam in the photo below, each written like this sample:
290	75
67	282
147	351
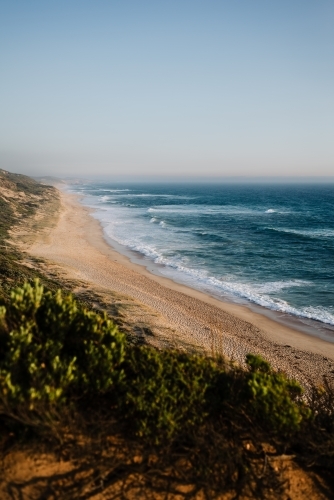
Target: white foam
112	190
253	293
227	210
276	286
186	210
310	233
150	195
257	293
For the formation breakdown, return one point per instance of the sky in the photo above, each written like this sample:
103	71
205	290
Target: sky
177	87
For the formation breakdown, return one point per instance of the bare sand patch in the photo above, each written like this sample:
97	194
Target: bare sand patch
37	476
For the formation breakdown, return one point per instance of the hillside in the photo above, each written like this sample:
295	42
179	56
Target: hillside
21	199
84	413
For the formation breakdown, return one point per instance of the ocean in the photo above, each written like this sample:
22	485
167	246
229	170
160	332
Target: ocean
270	247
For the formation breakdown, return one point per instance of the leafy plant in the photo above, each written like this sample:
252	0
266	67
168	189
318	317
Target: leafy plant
164	392
50	348
272	396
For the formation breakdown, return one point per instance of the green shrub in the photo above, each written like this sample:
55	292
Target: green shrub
272	397
260	395
52	351
50	348
164	392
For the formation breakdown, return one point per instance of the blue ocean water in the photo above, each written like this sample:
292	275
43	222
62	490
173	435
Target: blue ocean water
271	245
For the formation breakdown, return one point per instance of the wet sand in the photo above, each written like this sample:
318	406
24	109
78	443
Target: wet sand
75	248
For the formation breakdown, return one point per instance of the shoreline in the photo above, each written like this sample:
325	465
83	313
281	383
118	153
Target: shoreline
288	315
258	315
241	308
76	246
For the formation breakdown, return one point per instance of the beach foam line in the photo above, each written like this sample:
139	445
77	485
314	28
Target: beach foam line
256	293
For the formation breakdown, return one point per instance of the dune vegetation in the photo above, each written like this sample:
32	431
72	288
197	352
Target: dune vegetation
70	377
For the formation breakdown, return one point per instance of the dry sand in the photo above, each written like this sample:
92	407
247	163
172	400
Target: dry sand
74	248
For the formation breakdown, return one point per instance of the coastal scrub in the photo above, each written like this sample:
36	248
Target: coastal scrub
68	375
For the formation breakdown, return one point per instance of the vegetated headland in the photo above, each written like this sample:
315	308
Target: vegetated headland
134	386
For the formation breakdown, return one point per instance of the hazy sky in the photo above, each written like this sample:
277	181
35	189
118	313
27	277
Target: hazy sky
210	87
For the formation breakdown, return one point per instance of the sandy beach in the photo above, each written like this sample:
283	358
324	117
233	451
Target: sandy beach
164	312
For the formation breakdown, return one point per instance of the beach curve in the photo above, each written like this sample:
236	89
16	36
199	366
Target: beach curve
75	247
